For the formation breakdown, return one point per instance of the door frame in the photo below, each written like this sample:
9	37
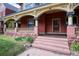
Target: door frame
59	19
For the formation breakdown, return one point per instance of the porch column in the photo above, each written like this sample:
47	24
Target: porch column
71	27
36	26
36	23
16	27
4	27
70	18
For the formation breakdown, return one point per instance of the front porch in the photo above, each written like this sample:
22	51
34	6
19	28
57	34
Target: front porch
52	22
47	23
25	26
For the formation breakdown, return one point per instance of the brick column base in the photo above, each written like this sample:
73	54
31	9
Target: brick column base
36	30
71	35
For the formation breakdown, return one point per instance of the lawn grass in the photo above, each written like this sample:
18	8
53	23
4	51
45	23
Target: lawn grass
75	46
9	46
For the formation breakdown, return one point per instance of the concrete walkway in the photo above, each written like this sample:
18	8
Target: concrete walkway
39	52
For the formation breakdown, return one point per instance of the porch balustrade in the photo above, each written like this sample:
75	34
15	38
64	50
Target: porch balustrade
10	30
25	30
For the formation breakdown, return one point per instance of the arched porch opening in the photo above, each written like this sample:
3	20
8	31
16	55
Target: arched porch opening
52	22
10	25
26	23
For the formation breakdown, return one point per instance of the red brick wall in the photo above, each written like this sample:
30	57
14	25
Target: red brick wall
41	24
48	23
24	21
63	24
46	20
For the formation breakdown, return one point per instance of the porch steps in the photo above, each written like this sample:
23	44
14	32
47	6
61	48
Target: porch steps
59	45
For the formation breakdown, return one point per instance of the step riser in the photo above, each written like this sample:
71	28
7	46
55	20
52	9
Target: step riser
52	41
52	45
53	49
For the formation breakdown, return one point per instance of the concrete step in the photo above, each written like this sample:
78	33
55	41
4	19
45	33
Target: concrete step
59	45
53	38
52	44
52	41
52	48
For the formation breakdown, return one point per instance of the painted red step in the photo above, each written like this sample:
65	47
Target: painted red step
61	39
52	41
59	45
52	44
55	49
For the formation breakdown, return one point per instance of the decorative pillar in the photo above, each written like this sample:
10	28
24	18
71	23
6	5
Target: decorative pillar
36	23
36	26
16	27
70	20
4	27
71	27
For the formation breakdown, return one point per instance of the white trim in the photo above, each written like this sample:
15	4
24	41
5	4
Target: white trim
59	19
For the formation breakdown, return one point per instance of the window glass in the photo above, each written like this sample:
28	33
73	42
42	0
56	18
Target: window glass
31	23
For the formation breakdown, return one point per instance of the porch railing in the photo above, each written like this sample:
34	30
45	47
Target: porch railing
10	29
26	30
21	32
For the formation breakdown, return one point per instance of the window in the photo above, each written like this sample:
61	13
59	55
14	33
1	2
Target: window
31	23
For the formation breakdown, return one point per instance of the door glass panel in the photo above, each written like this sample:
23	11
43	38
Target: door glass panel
56	24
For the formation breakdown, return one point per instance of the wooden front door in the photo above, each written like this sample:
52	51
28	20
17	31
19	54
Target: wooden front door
56	25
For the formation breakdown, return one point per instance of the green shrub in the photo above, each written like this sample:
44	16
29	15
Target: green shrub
27	39
75	46
10	48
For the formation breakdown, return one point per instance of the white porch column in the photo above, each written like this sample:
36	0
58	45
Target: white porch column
70	28
4	27
36	26
70	18
16	27
36	22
